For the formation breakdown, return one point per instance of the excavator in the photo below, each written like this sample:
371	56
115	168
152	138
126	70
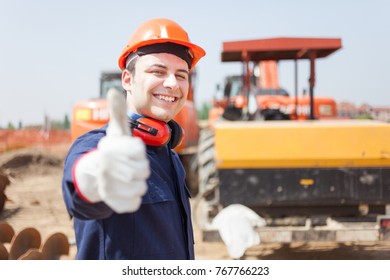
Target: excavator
93	113
311	176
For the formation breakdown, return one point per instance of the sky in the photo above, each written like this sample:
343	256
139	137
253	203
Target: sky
52	52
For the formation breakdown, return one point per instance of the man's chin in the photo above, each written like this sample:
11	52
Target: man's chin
161	116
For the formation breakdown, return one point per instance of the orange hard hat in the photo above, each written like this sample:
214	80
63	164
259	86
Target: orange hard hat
157	31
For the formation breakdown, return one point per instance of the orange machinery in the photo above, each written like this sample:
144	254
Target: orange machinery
260	83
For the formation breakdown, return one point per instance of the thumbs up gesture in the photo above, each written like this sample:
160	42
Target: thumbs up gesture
116	171
123	167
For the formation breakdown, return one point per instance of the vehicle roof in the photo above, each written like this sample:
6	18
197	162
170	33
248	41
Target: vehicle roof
280	48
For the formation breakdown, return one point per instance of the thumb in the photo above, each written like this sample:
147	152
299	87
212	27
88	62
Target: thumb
118	124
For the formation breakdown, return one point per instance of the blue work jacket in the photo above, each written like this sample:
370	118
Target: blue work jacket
160	229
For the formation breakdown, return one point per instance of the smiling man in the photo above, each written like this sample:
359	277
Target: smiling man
157	85
127	195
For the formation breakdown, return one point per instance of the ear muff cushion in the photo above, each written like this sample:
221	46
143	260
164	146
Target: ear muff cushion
160	139
177	134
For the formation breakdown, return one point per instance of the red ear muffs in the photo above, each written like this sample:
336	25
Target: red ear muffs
157	133
177	134
153	132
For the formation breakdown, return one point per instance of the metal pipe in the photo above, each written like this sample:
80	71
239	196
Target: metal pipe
312	82
296	88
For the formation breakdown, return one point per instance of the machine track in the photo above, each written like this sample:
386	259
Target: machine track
207	200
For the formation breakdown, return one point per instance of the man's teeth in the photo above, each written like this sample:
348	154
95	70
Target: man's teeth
166	98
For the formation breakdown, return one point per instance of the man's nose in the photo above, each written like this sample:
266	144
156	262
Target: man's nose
171	82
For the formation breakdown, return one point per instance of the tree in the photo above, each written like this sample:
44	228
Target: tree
10	125
203	113
58	124
66	122
364	116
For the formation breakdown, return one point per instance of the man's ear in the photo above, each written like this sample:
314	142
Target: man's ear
126	80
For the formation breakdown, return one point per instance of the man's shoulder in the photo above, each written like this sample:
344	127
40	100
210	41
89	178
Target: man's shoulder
88	141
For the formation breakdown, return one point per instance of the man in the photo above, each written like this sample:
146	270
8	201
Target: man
128	201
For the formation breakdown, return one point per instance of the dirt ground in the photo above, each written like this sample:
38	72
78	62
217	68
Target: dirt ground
35	200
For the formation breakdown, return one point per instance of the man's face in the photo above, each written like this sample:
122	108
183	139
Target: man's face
159	87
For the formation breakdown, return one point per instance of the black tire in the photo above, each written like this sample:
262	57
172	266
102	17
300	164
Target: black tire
207	196
206	162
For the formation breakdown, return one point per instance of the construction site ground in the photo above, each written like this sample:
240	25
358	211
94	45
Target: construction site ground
35	200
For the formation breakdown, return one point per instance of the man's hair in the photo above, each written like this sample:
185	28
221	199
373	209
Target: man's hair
130	63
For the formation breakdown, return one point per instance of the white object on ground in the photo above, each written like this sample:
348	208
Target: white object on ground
237	227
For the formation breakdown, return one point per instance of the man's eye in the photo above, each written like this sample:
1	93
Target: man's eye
158	72
181	77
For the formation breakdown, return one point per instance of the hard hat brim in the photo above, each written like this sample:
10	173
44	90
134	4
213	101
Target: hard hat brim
195	50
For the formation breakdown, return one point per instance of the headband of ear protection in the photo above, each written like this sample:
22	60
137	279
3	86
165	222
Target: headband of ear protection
157	133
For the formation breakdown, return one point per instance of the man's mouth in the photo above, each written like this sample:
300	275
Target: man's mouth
166	98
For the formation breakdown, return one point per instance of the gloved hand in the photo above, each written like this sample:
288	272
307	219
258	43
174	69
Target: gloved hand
116	171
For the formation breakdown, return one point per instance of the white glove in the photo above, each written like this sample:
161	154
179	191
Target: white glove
116	171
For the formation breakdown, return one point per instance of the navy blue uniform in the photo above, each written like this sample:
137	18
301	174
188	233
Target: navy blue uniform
160	229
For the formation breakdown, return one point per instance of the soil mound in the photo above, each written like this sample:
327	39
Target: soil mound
22	162
25	160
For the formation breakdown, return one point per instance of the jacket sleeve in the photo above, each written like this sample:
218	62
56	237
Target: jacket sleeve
76	205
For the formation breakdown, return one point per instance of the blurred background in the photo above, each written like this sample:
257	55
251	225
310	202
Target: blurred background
52	52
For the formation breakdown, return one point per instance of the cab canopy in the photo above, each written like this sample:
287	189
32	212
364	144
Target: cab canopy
279	48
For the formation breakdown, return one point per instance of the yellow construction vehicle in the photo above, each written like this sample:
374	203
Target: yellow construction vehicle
311	179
